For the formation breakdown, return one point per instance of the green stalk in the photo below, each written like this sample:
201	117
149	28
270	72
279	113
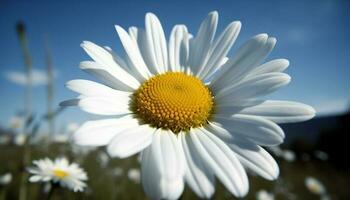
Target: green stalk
28	66
20	27
50	91
51	191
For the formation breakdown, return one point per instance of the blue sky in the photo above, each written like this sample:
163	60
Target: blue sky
313	35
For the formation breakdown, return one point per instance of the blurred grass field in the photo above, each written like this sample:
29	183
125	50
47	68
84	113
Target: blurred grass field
104	184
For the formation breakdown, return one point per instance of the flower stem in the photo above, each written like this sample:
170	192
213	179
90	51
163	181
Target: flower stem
51	191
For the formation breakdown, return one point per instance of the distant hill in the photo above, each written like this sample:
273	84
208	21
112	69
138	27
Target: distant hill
312	129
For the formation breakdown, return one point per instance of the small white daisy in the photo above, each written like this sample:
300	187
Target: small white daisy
315	186
20	139
59	171
134	175
118	171
289	155
321	155
264	195
192	112
5	179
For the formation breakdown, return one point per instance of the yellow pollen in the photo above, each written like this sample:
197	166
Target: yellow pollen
174	101
60	173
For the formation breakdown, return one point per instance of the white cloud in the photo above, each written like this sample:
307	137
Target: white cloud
39	77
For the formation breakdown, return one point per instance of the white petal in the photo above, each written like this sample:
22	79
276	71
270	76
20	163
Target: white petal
256	159
200	45
35	178
252	87
249	154
277	65
178	48
162	167
219	50
101	132
90	88
281	111
257	129
197	175
134	33
218	130
248	56
70	102
105	105
220	158
140	38
120	61
131	141
150	176
234	107
156	42
103	75
137	64
107	63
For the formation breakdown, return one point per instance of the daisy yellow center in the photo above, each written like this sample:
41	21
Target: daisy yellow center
173	101
60	173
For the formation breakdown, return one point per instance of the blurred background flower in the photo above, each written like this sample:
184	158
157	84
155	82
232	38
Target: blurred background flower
5	179
60	172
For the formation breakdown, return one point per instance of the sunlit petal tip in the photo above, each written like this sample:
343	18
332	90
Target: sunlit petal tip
286	78
118	29
83	43
275	175
284	62
152	18
213	13
273	40
236	24
271	43
150	14
310	111
132	28
235	27
262	37
83	64
87	44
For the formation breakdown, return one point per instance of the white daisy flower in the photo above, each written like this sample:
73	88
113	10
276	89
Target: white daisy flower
59	171
315	186
264	195
20	139
134	175
5	179
321	155
289	155
190	110
118	171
